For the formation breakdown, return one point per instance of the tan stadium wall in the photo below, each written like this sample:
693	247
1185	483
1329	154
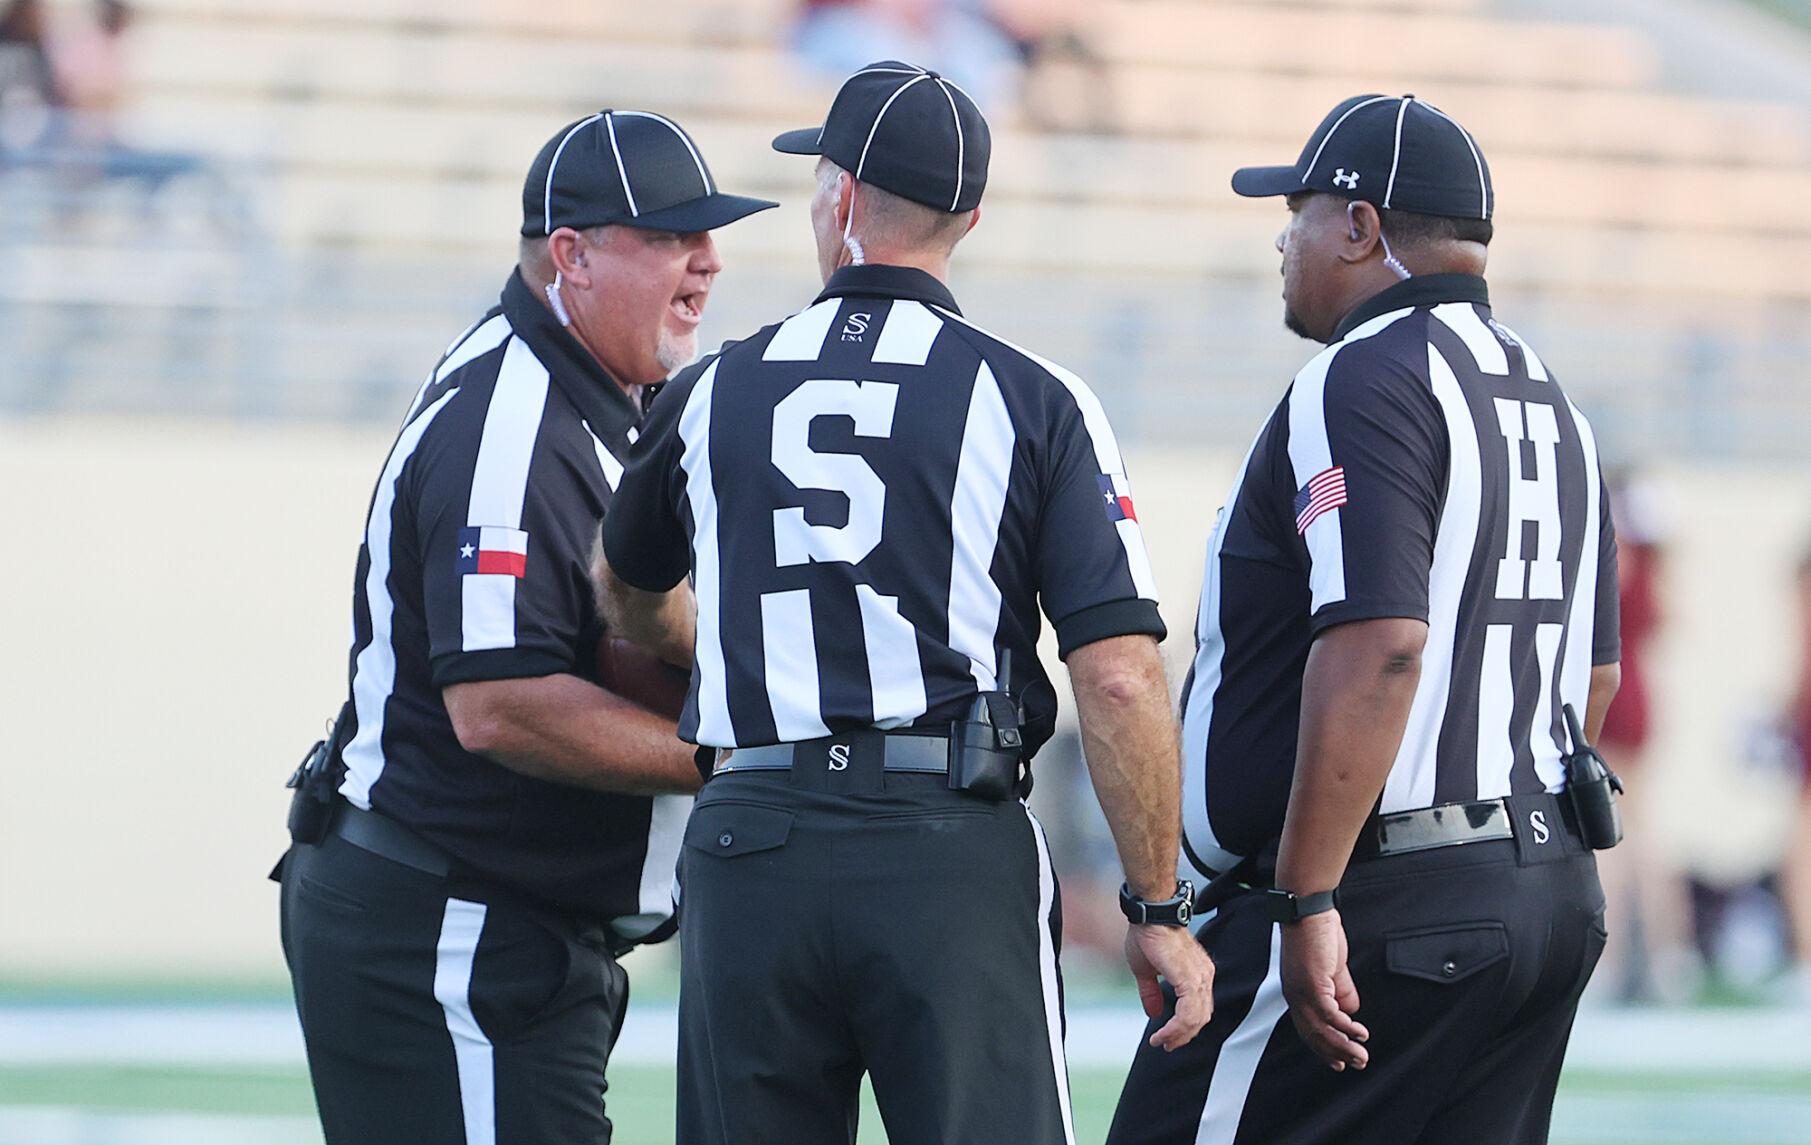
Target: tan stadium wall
173	614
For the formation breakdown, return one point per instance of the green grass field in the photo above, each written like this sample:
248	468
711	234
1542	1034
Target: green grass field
1610	1102
273	1106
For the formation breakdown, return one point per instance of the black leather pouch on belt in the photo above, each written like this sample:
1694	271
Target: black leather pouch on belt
1592	788
985	748
316	782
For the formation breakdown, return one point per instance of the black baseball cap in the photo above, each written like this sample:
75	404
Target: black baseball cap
904	129
1395	152
632	168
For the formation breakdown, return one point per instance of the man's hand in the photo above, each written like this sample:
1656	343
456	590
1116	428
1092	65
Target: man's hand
664	623
1319	990
1357	689
1171	952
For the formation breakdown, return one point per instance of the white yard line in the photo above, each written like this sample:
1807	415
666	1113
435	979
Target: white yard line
1620	1041
59	1125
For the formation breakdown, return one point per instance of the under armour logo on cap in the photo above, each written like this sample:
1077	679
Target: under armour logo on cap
1417	158
633	168
907	130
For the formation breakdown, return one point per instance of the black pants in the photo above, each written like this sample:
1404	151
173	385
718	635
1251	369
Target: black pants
1469	962
902	929
433	1019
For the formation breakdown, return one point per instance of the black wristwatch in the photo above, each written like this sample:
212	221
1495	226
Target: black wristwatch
1173	911
1287	906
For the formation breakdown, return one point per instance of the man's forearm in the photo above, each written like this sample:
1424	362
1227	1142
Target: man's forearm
568	730
665	623
1134	759
1357	689
1606	681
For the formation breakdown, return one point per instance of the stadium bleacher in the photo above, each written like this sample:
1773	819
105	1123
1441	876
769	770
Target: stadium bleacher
371	151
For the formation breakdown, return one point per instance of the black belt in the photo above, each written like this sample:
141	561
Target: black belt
388	839
1447	825
1403	833
926	754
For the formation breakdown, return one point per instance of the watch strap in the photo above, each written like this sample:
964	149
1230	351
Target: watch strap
1287	906
1174	911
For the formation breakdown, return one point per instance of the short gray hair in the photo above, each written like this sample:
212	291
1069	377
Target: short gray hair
898	221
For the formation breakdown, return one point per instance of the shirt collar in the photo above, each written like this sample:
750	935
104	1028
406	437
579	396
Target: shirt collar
1421	290
890	282
587	385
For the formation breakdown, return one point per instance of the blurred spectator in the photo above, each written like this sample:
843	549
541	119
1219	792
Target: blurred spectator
956	38
1037	51
88	63
90	72
1797	873
1064	83
28	89
1650	955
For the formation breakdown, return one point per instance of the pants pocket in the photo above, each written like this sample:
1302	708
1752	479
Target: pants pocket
520	974
327	896
730	829
1449	953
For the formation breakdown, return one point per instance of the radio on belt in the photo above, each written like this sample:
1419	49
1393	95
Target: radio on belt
1593	788
985	748
316	782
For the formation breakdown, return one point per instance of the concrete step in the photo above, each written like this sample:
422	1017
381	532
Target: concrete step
466	79
1638	124
463	68
704	21
381	141
1416	46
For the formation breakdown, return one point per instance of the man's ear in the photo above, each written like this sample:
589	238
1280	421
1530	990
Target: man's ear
845	199
566	249
1363	226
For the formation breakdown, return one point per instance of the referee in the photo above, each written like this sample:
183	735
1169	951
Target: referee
1414	576
873	498
497	826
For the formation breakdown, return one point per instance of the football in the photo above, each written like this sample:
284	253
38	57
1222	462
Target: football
641	677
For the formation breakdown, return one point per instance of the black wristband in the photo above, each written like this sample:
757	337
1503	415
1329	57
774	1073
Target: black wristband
1287	906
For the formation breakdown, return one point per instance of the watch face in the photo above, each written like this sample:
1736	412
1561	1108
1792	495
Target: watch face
1282	905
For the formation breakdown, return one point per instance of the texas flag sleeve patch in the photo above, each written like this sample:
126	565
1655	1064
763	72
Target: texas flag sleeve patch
493	549
1115	498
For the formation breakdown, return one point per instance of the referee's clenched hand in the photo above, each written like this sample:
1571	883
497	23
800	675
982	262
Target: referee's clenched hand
1172	954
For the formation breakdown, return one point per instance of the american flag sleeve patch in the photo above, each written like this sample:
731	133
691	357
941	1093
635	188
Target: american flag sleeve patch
1325	490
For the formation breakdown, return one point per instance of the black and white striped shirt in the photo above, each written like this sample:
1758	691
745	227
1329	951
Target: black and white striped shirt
475	566
873	496
1426	466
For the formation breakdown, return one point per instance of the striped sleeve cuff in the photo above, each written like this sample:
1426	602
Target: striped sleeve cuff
1348	611
1134	617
